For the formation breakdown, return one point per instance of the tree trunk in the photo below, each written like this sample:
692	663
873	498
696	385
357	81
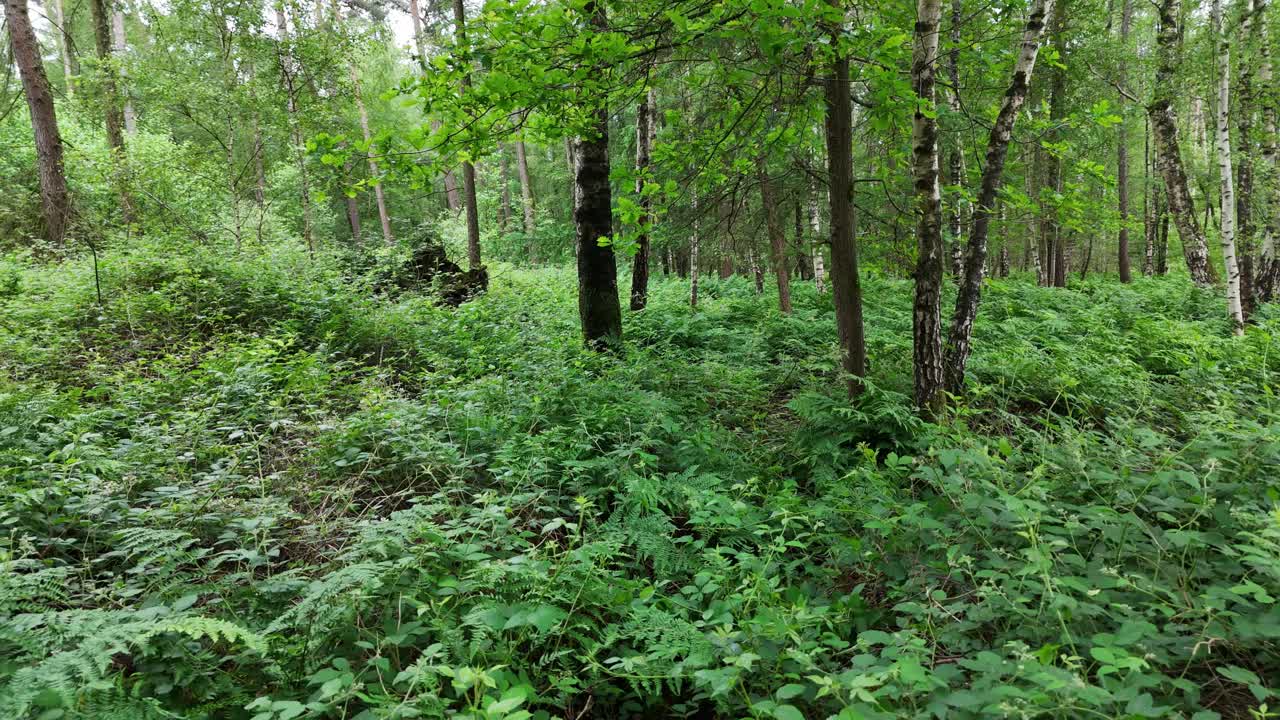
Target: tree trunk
927	311
1266	280
468	168
504	194
526	188
1148	216
1051	227
289	70
1226	176
62	36
815	227
598	305
119	46
777	236
646	130
383	216
1164	124
955	161
694	270
1244	168
956	354
111	102
1122	147
353	210
44	121
844	252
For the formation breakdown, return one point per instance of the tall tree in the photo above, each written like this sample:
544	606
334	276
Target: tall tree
598	306
955	151
1164	126
1266	280
120	46
65	44
1227	211
54	200
526	188
777	235
845	283
289	71
958	348
1122	146
468	168
646	130
926	319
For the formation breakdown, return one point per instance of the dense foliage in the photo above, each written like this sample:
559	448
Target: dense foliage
254	486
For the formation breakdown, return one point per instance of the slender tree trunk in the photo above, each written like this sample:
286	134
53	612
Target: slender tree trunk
66	49
384	217
120	46
955	161
1266	280
844	252
646	130
468	168
1225	174
1052	228
526	188
1245	165
55	203
504	194
1148	218
353	210
289	72
815	227
453	199
956	354
757	272
111	102
694	241
1122	147
598	305
777	236
927	312
1164	124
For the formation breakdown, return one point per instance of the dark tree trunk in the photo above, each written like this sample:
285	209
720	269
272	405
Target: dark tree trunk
845	285
927	311
956	355
777	236
598	306
1122	148
54	200
955	161
468	168
646	126
1164	125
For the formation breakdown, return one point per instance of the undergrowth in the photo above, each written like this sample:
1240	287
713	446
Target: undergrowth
252	486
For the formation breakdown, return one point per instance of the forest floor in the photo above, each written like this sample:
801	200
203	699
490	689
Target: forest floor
255	487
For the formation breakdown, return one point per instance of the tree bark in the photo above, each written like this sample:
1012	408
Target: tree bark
1164	124
1051	228
646	130
1266	280
598	306
955	161
844	252
694	240
66	48
120	46
468	168
1244	167
815	227
54	201
504	193
1227	213
526	188
926	319
1122	147
958	348
777	236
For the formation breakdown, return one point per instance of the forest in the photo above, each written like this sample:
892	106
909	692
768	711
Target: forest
534	359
